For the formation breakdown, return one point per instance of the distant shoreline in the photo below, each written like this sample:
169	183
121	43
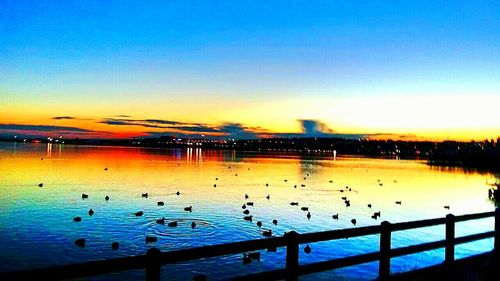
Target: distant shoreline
468	155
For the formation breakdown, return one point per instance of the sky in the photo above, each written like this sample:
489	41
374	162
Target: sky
416	70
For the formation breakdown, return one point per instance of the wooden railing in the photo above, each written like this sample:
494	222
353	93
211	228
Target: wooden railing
154	259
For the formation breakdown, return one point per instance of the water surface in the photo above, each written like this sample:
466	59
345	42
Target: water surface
37	228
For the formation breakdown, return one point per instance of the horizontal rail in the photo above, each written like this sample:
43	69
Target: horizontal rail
145	261
220	250
474	216
338	234
417	224
474	237
413	249
77	270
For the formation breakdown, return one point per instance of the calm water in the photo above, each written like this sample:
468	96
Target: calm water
37	228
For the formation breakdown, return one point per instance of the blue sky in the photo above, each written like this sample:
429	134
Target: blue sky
67	52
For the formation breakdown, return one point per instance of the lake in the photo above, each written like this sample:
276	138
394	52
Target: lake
37	227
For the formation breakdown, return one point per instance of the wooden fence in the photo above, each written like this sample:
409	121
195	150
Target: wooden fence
154	259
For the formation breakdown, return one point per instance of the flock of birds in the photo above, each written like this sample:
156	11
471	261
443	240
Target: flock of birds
247	257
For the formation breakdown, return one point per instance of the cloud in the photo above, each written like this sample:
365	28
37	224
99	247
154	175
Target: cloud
41	128
23	130
314	127
63	118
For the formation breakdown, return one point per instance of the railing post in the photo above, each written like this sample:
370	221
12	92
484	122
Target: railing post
450	239
497	231
154	266
292	256
384	269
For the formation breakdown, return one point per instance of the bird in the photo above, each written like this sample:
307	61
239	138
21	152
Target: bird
106	198
267	233
353	221
247	218
307	249
344	198
161	221
335	217
347	203
80	242
77	219
105	169
140	213
246	259
447	207
259	224
381	184
173	224
294	203
243	206
246	212
160	203
267	184
91	212
308	215
40	184
151	239
115	245
178	193
216	179
330	181
145	195
235	175
305	208
268	197
295	186
250	203
275	222
398	202
254	255
370	206
215	185
193	225
188	209
303	185
286	180
85	196
246	196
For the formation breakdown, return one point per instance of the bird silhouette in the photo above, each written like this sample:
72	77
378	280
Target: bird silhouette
80	242
307	249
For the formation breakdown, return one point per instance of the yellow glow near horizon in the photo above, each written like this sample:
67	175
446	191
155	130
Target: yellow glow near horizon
438	117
